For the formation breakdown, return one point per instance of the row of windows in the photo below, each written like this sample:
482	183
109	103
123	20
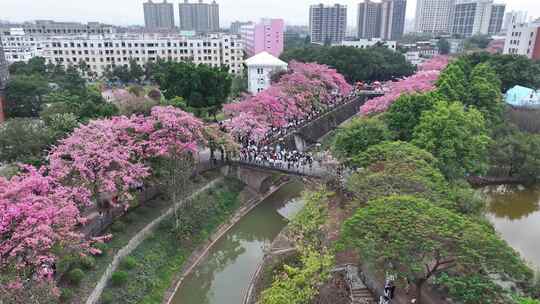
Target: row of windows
124	52
137	44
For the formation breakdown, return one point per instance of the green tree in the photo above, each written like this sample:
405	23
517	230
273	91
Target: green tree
422	241
404	114
486	93
204	88
35	65
135	70
444	46
477	42
371	64
360	134
453	84
24	95
515	153
456	136
24	140
299	284
393	168
511	69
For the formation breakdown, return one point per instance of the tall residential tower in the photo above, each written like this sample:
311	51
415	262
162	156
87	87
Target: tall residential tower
200	17
393	19
327	24
433	16
3	81
158	15
369	19
476	17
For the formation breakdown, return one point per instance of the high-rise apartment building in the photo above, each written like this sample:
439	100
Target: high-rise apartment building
514	17
327	24
476	17
3	81
433	16
393	19
158	15
523	39
497	18
236	25
200	17
369	19
264	36
385	20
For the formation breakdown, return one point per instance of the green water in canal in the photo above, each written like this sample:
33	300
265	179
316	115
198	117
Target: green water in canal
515	213
224	275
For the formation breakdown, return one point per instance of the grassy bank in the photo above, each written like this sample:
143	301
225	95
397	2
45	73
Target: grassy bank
144	276
122	230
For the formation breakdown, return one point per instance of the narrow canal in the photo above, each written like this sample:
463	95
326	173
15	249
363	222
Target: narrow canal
515	213
223	276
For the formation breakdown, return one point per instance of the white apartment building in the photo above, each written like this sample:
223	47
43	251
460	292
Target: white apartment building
433	16
523	39
20	47
260	69
98	52
366	43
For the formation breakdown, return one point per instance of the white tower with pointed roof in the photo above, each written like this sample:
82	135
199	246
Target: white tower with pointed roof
260	69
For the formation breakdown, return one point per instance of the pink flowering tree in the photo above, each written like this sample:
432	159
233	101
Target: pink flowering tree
305	88
105	156
37	216
423	81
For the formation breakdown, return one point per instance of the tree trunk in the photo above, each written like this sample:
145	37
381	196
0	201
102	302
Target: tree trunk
419	284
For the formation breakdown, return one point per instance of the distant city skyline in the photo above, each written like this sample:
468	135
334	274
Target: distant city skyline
129	12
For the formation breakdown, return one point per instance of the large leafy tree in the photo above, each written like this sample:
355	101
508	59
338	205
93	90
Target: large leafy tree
24	140
24	95
456	136
486	93
422	241
360	134
204	88
371	64
511	69
404	114
515	153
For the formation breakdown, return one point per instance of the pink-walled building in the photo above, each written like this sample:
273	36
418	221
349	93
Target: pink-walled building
264	36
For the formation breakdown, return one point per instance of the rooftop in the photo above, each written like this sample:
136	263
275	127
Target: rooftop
265	59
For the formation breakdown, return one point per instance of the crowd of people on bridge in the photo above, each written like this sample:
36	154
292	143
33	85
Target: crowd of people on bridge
277	157
269	151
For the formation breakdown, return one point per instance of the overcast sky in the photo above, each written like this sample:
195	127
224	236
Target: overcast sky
126	12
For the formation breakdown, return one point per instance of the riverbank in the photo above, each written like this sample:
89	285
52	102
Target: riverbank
199	254
146	273
122	230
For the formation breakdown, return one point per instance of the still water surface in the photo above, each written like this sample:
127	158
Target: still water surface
515	213
224	275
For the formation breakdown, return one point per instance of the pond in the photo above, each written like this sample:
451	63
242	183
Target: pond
224	275
515	213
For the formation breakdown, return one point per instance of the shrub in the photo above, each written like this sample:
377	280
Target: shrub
101	246
75	276
65	295
119	278
118	226
65	263
87	262
128	263
107	297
